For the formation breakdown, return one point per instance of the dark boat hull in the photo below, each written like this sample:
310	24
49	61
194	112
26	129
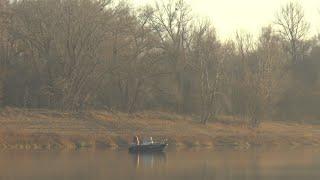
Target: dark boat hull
148	148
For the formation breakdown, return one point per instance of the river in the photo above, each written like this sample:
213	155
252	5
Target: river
172	165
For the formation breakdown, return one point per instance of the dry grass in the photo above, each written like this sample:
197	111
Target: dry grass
45	129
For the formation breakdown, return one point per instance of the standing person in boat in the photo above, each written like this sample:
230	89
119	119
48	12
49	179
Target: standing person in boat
136	140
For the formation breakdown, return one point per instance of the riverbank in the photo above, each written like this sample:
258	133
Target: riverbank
49	130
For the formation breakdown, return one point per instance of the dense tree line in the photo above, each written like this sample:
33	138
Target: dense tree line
79	54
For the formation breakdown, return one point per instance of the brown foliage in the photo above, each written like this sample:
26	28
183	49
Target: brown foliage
79	54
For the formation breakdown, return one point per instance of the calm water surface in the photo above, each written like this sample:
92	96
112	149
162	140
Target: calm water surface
198	165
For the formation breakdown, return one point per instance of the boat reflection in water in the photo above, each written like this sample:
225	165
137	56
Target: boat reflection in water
149	160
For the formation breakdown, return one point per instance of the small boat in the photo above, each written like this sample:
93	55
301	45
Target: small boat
155	147
147	146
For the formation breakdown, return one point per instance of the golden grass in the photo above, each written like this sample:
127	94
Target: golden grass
47	130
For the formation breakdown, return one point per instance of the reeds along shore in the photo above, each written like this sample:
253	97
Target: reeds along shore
54	130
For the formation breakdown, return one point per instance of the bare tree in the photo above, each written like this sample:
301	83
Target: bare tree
135	54
256	83
209	64
293	28
171	23
270	68
245	89
64	38
142	67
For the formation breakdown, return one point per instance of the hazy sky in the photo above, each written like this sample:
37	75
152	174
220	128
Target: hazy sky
249	15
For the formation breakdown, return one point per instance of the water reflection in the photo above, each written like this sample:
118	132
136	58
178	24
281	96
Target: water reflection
184	165
149	160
